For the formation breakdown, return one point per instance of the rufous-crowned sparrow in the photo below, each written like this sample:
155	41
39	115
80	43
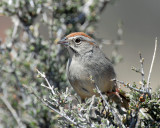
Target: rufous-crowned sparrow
86	59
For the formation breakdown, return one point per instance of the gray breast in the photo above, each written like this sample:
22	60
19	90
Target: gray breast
75	70
79	70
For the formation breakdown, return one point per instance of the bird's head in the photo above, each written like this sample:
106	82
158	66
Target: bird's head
78	43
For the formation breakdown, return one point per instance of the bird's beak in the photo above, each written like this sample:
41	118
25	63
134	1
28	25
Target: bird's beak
64	41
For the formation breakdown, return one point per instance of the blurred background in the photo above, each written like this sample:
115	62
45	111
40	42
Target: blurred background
141	24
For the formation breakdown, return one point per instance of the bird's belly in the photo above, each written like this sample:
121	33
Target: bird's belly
80	79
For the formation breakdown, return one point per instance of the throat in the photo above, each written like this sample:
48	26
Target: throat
84	55
72	51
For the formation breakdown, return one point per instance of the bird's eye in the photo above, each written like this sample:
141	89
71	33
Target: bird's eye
77	40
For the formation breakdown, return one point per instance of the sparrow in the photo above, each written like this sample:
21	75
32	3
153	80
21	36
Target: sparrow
87	60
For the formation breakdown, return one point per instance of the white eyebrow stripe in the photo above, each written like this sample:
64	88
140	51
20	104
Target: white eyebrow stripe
83	37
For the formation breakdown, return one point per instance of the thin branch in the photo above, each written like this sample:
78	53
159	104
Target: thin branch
136	70
91	104
142	113
153	58
13	112
50	107
51	102
142	70
45	86
49	85
131	87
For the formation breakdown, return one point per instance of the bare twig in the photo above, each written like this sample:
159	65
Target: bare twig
136	70
49	85
142	70
131	87
45	86
143	113
91	104
13	112
51	102
153	58
50	107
